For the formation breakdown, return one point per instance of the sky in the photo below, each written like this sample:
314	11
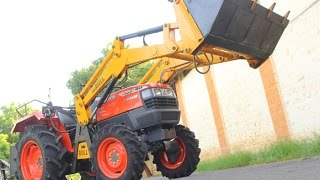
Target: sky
43	41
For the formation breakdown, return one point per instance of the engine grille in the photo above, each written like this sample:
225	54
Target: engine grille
161	102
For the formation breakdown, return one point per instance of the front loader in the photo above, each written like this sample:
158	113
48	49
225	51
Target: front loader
108	133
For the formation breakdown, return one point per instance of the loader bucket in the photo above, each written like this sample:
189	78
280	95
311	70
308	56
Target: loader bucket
238	25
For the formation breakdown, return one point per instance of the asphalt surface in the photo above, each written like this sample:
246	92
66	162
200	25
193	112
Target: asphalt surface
301	169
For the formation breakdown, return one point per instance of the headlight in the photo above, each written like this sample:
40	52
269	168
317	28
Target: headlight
157	92
148	93
168	92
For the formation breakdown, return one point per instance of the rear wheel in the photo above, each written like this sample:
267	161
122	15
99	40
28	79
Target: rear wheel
187	160
118	153
40	155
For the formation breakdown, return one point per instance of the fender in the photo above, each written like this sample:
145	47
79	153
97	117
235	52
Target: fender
40	119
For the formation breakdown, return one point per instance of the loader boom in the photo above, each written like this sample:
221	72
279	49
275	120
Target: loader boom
211	32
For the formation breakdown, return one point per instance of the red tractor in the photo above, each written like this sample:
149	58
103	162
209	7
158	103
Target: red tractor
131	123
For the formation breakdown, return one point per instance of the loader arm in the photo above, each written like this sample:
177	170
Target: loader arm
163	70
211	32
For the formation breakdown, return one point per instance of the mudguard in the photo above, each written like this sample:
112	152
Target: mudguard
39	119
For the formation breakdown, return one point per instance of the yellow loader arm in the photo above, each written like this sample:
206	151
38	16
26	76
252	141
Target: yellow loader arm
165	68
211	31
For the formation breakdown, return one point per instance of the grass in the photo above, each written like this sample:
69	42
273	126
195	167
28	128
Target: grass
280	151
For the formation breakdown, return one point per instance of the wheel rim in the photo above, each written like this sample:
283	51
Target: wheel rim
112	157
164	158
31	161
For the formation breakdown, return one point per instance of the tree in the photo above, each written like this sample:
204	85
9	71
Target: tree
4	147
7	119
135	73
8	116
81	77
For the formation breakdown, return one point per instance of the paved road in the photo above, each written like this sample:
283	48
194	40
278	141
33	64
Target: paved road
302	169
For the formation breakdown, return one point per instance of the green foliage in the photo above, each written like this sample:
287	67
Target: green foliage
4	147
284	150
316	145
135	73
80	77
228	161
7	118
280	151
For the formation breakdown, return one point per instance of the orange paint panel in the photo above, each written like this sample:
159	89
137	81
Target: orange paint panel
218	119
276	109
112	108
124	100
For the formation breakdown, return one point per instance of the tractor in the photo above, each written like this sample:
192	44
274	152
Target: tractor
108	134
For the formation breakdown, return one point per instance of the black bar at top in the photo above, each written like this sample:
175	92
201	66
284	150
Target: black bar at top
142	33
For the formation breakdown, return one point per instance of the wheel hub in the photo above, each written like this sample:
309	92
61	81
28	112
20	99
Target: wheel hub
114	157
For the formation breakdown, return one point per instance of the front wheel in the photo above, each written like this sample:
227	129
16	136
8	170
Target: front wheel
187	160
118	153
